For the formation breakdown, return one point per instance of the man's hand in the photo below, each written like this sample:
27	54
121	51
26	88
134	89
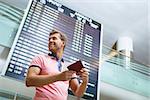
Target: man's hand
66	75
79	89
84	74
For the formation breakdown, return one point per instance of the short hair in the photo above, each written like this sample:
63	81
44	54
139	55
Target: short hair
63	36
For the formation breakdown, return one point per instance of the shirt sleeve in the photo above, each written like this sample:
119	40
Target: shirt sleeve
37	62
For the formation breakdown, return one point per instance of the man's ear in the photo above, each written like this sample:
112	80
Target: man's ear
64	43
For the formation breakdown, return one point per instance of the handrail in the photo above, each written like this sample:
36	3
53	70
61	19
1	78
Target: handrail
120	53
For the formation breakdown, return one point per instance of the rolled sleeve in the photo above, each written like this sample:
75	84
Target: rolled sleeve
37	62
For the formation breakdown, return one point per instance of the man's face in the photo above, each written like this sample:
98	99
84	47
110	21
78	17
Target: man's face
55	43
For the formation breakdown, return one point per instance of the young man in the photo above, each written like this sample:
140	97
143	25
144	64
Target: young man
50	80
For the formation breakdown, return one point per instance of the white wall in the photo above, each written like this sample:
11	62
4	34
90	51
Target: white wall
3	56
15	86
109	92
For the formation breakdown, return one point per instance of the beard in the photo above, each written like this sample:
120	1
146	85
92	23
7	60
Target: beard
53	47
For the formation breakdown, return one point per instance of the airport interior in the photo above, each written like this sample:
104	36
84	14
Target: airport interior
110	37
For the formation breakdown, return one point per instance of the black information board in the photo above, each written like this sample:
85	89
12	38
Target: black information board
83	40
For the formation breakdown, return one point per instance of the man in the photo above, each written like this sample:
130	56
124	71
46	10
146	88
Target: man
50	80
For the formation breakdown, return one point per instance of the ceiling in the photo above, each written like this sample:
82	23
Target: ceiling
119	18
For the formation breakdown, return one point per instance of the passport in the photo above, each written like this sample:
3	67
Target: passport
77	66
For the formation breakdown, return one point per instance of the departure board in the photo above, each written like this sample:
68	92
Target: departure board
84	37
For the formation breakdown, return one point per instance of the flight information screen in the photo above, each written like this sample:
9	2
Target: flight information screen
83	34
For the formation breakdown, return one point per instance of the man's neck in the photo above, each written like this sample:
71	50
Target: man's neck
58	54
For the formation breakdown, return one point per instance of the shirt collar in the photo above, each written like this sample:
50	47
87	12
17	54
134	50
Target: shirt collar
53	55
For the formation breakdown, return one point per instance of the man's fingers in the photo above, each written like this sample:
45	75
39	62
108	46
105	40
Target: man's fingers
84	70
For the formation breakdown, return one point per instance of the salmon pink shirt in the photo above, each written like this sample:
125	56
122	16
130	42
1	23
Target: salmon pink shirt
54	91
